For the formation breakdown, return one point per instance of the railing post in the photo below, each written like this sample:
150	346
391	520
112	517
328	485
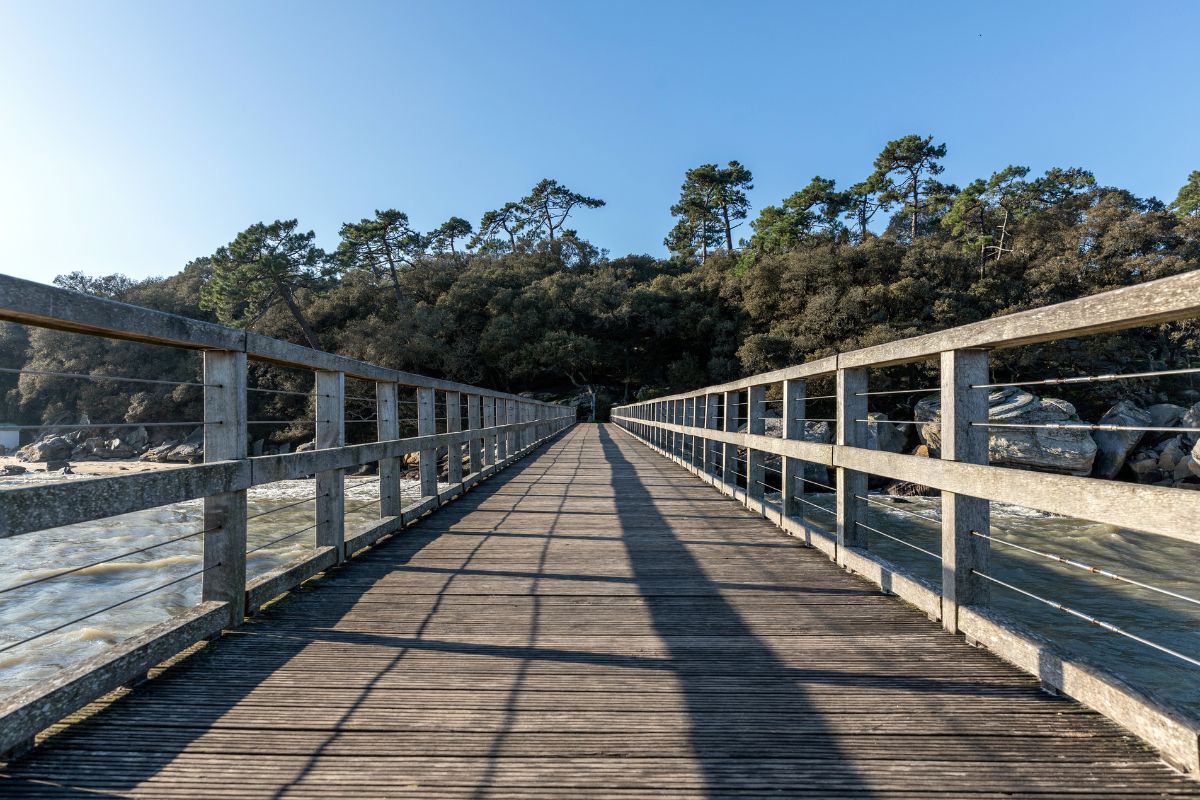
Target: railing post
490	440
712	448
851	485
454	452
501	436
729	469
427	426
475	448
388	428
962	441
331	433
224	579
510	417
756	473
793	428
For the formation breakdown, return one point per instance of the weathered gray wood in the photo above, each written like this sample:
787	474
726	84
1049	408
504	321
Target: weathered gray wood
24	509
224	539
1153	509
851	484
510	417
427	426
807	451
793	428
277	351
822	366
387	414
729	463
454	454
490	441
27	712
712	452
474	423
962	441
756	475
330	484
289	576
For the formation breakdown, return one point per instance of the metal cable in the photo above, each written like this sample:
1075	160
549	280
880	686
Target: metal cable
108	608
1083	426
82	426
1088	568
280	539
898	391
89	377
1091	378
1088	618
814	505
897	539
802	479
285	391
281	508
73	570
891	507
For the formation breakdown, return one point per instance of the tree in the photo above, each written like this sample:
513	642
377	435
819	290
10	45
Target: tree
1187	202
549	204
982	214
113	287
813	212
448	232
381	246
712	201
264	265
509	220
904	170
862	203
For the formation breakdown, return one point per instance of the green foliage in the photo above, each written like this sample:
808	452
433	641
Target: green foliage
712	203
904	172
1187	202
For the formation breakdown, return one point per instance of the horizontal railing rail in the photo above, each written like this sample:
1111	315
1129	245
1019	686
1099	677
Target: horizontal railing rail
719	433
479	432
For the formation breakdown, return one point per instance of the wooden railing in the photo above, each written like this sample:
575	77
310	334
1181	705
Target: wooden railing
703	431
500	428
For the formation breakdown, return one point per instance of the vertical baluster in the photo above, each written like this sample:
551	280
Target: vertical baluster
851	485
793	428
475	449
454	452
331	433
491	441
224	578
427	426
387	429
730	470
756	474
712	448
963	442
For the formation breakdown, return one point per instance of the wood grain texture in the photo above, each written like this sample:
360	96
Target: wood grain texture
593	623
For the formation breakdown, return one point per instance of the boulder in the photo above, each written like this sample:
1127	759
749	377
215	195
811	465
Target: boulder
1191	419
1113	447
1165	415
1195	465
885	436
12	469
1170	453
55	466
49	448
306	446
186	453
1070	452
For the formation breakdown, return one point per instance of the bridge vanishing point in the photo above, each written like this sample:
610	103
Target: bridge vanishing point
576	611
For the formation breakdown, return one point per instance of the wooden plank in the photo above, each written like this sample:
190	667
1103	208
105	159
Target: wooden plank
454	455
331	483
427	426
474	423
274	583
851	483
387	427
25	509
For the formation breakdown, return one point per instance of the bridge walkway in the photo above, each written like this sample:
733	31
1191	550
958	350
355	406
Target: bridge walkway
593	622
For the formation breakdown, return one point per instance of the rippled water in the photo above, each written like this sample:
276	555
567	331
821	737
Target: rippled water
1156	560
28	611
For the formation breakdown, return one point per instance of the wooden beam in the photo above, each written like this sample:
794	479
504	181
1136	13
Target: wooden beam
331	434
224	578
851	484
387	413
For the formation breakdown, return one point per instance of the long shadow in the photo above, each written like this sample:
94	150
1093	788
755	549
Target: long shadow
718	721
171	713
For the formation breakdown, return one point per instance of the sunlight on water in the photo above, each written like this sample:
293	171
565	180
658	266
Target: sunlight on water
28	611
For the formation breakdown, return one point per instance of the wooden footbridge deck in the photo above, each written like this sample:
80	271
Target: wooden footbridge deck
594	623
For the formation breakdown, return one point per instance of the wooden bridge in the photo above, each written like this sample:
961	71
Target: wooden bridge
588	617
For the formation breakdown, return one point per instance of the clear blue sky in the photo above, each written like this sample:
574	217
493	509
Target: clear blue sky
135	136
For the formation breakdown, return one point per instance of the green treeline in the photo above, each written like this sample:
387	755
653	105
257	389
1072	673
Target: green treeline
522	301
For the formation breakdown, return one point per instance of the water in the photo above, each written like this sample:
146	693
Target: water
1156	560
31	610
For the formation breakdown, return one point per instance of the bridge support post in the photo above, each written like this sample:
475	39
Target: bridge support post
427	426
224	578
756	473
711	448
475	448
331	432
729	470
792	480
387	415
454	451
510	417
962	552
851	485
490	441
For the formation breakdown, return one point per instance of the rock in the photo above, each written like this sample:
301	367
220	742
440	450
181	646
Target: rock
306	446
1186	468
1191	419
1143	463
1165	415
884	436
3	450
1195	465
159	453
13	469
49	448
909	489
1069	452
186	453
1170	453
924	451
1113	447
256	447
54	466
